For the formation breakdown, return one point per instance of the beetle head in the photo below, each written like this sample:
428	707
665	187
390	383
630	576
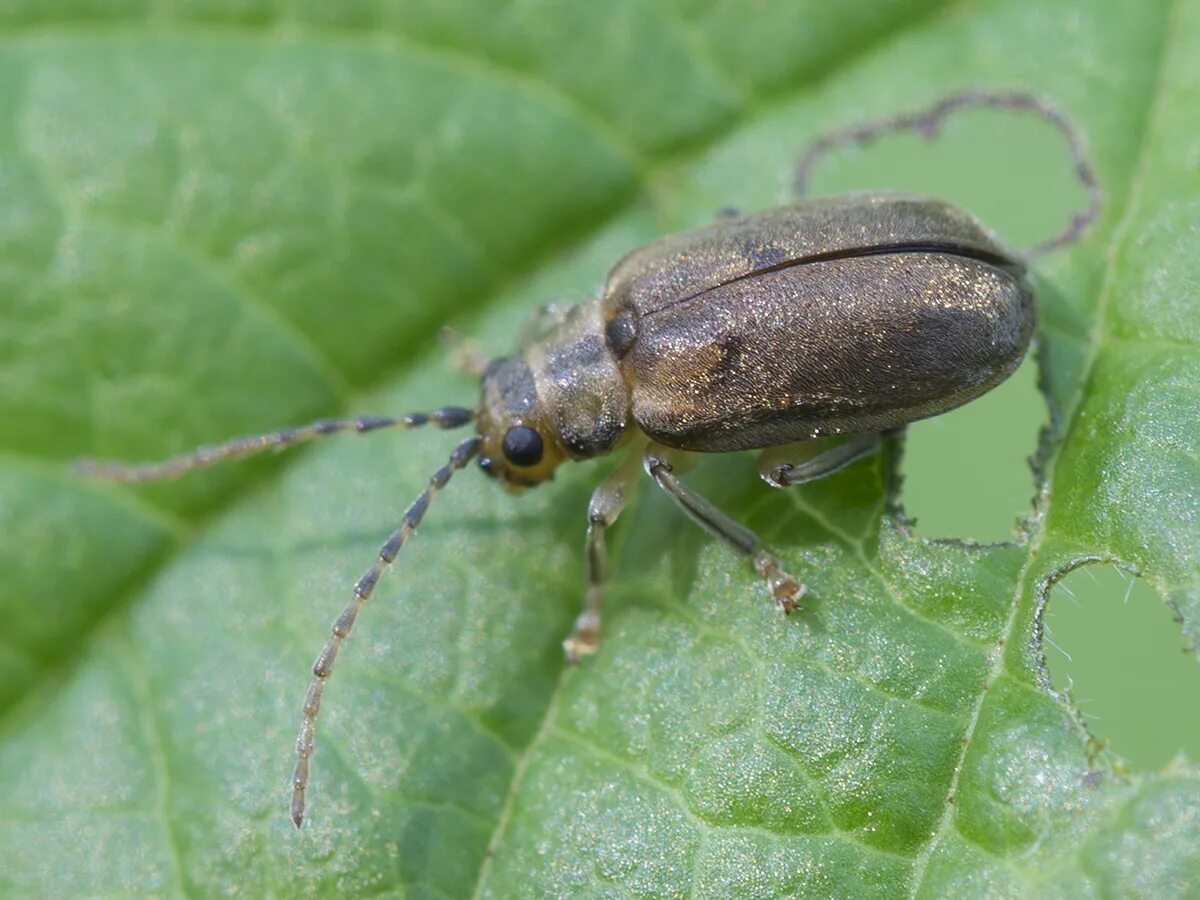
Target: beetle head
518	447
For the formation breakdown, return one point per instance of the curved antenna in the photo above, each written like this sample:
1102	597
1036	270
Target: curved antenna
928	122
342	625
240	448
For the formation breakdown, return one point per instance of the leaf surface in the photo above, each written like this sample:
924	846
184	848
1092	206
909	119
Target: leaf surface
218	218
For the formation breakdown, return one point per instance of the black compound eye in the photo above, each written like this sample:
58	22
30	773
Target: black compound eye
522	446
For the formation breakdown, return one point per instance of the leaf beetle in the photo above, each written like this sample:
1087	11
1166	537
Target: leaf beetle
839	318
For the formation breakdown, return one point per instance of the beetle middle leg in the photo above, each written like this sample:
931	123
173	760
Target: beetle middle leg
794	464
786	590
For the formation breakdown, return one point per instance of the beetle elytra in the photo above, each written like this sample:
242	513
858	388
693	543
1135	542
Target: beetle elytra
841	318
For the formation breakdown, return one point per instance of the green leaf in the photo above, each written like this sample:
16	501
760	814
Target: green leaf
224	217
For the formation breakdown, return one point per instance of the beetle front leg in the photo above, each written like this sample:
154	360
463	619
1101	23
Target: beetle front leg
466	356
786	590
794	464
606	504
541	322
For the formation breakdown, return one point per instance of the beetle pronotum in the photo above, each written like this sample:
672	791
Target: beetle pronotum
844	317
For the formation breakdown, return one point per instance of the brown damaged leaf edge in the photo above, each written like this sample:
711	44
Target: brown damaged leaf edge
809	332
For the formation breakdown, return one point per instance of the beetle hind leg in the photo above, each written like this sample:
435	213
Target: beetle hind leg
785	589
794	464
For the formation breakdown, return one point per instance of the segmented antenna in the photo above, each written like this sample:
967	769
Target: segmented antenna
928	122
240	448
323	667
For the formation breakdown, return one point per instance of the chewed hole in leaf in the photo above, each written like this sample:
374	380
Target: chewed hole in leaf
981	160
1010	168
1111	643
980	451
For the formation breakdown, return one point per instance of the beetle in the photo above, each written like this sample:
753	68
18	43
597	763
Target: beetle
808	331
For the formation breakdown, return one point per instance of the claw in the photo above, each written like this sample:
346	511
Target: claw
584	639
786	590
